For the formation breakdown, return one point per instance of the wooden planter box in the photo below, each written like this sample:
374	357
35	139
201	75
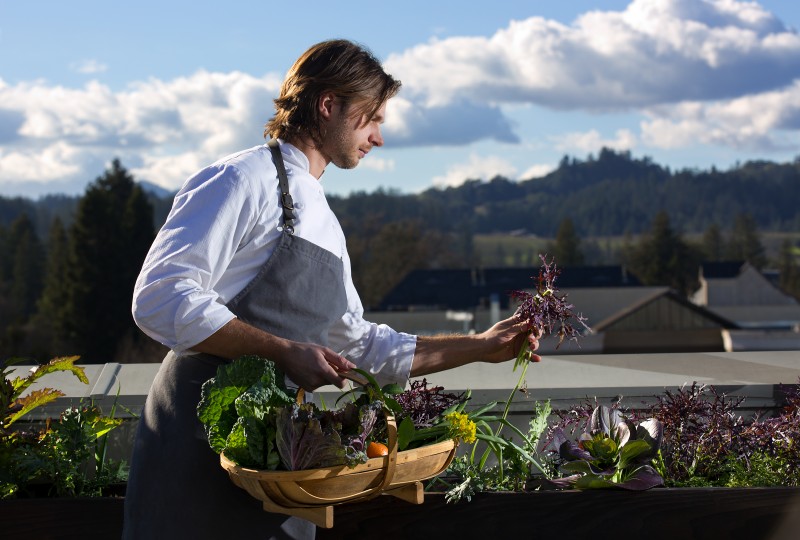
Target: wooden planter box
62	518
669	514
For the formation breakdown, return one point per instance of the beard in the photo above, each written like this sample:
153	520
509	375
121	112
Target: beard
341	146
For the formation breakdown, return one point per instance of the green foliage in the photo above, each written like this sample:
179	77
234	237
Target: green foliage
744	243
612	452
566	248
664	258
513	465
249	387
707	443
109	239
789	268
59	454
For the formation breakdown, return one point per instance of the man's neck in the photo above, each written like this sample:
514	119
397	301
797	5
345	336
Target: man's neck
316	160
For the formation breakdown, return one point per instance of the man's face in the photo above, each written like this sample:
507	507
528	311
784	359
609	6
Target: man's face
349	137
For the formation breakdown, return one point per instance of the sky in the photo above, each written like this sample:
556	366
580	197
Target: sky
507	88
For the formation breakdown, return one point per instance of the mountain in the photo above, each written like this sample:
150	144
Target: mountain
155	189
612	194
609	195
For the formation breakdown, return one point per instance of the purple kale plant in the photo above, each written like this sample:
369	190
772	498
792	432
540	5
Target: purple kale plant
701	429
423	404
706	442
546	311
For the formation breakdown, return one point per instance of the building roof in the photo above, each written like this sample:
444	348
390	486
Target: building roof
721	269
466	288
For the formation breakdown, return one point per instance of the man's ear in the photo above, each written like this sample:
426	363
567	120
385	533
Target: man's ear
326	104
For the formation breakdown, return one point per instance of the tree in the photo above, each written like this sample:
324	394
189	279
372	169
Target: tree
713	243
566	249
745	242
109	238
663	258
52	305
392	252
27	267
788	268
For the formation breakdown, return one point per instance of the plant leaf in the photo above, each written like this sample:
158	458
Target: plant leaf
633	450
405	433
644	478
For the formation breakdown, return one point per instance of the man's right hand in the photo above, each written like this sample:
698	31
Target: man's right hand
308	365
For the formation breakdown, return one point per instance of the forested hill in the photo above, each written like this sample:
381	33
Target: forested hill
611	194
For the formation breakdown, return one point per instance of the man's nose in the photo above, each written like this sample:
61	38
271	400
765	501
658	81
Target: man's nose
376	139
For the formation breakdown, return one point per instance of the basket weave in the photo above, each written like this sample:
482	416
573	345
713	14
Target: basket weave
312	493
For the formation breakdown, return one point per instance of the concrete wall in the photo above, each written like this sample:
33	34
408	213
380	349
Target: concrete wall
565	380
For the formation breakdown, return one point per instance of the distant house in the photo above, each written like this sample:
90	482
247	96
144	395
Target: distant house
767	318
624	316
471	288
741	293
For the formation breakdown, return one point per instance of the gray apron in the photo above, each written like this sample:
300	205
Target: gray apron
177	488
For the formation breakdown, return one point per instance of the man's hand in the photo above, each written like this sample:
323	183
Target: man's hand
306	364
499	343
311	366
509	336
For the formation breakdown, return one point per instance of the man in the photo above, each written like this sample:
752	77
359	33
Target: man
251	260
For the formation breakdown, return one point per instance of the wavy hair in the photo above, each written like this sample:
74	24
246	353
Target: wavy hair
348	70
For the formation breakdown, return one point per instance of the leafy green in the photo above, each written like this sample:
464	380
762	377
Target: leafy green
235	409
60	453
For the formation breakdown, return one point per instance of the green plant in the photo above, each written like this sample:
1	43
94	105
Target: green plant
56	455
612	452
514	464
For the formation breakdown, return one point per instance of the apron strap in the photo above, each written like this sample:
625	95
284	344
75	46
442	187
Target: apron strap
283	183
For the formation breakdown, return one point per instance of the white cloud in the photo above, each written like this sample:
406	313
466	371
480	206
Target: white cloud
592	141
161	130
377	164
765	121
654	52
720	72
89	67
537	171
58	160
477	168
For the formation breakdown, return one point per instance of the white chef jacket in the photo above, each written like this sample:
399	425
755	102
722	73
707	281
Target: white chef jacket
223	226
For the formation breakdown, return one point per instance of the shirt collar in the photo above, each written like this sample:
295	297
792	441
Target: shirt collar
294	155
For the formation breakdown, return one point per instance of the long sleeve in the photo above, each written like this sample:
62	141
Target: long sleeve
178	298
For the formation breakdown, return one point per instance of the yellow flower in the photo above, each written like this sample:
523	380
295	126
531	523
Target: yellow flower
461	427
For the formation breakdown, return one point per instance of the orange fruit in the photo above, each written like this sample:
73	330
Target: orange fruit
376	449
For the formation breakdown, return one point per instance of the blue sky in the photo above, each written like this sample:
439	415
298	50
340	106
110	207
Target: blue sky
506	88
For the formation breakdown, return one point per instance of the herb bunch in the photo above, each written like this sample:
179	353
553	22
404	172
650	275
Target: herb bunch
546	311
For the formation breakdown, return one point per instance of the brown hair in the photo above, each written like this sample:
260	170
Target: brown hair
348	70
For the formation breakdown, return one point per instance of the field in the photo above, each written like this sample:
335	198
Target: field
496	250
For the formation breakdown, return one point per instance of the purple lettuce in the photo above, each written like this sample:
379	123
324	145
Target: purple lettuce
613	452
309	438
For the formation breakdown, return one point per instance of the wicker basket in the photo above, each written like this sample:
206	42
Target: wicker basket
312	493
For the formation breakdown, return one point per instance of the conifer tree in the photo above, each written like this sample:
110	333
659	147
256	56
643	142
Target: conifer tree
566	249
27	267
662	257
713	243
745	242
109	238
789	269
53	303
